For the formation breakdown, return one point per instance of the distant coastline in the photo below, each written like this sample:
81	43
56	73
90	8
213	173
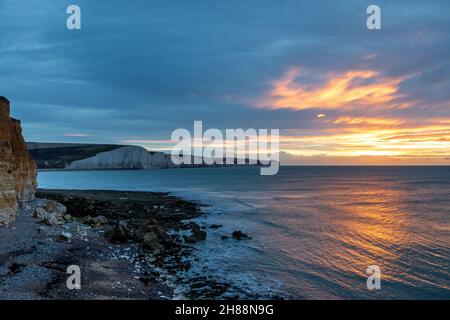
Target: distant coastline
85	157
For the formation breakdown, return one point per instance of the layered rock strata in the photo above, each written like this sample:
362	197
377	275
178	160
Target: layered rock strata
17	169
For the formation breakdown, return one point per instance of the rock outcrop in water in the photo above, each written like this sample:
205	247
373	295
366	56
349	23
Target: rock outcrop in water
17	169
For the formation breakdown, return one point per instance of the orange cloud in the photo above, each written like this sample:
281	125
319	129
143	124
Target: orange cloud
355	87
372	137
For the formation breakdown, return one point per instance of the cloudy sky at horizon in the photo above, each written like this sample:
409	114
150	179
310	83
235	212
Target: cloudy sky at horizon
138	70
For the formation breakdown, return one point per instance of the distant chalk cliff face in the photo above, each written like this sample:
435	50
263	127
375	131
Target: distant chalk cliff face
78	156
17	169
127	157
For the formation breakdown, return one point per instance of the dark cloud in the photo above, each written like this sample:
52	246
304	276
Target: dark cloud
144	68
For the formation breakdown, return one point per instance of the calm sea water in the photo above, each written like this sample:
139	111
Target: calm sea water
315	229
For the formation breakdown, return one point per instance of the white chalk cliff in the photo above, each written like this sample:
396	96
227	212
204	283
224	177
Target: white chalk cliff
129	157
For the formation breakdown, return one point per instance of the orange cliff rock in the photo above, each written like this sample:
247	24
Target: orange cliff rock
17	169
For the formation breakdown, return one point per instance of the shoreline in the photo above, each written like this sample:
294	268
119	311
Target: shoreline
146	169
128	245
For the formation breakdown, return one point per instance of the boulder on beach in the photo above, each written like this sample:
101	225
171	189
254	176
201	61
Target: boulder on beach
120	233
95	222
52	213
65	237
150	240
55	207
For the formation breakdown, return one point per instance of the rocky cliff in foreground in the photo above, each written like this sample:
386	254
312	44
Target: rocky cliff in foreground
17	169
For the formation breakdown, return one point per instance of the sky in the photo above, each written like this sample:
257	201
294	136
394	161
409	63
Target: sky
137	70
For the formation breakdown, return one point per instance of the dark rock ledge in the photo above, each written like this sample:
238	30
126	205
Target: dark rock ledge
120	240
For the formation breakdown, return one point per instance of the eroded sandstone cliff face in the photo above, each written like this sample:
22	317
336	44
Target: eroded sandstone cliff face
17	169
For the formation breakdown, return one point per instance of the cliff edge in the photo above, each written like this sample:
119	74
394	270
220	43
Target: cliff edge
17	169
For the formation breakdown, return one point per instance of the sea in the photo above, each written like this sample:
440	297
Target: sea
316	232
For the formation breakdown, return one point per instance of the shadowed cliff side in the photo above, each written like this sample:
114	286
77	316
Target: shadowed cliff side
17	169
